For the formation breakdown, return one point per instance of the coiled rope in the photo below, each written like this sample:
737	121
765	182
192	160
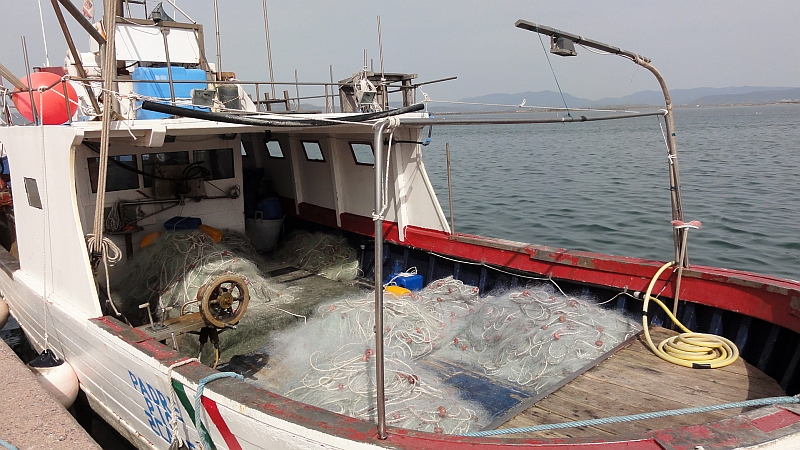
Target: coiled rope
634	417
695	350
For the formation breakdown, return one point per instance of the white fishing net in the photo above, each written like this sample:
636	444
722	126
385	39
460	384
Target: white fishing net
530	338
320	253
169	272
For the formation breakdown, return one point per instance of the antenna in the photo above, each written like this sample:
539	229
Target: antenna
383	75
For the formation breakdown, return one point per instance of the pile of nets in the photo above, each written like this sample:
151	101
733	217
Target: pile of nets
320	253
334	353
169	272
530	338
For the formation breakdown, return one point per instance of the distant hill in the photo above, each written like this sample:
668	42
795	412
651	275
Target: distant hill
694	96
751	97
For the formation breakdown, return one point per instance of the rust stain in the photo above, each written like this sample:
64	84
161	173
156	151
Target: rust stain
794	304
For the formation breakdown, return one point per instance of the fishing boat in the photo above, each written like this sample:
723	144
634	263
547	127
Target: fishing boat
157	172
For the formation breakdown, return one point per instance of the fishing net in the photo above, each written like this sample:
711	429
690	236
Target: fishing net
320	253
334	353
169	272
531	338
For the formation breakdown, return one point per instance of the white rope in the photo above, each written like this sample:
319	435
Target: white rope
391	124
173	423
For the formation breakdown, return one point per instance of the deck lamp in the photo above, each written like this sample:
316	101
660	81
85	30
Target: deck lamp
562	46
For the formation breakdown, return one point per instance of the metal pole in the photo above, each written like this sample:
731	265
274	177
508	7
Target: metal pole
78	16
297	89
381	401
219	54
269	49
450	191
76	57
164	33
333	99
34	113
674	178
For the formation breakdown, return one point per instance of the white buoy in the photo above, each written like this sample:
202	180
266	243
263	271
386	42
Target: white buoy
3	313
57	377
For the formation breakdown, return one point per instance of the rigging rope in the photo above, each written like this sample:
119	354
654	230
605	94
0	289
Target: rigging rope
554	75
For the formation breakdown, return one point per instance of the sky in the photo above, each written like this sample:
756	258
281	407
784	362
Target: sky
693	43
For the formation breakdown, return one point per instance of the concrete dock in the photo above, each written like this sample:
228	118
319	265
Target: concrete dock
29	417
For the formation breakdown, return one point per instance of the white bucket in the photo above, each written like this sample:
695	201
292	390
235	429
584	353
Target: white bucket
263	234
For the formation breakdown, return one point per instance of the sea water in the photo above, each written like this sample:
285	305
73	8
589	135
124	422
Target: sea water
604	186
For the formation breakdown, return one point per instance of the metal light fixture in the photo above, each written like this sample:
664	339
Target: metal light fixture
562	46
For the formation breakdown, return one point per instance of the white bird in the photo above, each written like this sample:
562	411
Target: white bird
523	103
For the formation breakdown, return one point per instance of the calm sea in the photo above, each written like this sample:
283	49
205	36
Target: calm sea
604	186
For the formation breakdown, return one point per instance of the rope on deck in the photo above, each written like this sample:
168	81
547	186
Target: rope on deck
205	439
634	417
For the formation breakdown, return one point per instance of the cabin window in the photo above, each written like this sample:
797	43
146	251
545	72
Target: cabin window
313	151
218	163
152	160
121	173
32	189
362	153
274	149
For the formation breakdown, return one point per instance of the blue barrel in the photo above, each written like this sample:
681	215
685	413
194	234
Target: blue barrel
270	208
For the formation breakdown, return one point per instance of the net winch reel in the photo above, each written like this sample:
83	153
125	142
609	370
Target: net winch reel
223	301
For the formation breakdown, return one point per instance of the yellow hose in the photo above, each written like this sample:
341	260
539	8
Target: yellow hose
695	350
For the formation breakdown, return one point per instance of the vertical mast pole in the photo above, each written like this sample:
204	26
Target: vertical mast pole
377	217
219	54
34	113
269	49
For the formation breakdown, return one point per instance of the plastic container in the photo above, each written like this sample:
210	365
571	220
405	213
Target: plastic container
270	208
409	281
183	223
263	234
229	96
212	232
159	88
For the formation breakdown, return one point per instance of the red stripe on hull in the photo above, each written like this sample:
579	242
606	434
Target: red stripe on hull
213	413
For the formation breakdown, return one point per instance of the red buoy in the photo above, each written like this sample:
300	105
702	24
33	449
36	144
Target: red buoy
50	104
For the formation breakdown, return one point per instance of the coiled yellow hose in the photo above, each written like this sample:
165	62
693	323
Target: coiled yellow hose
695	350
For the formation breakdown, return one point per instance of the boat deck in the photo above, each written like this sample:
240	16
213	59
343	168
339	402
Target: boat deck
635	381
631	381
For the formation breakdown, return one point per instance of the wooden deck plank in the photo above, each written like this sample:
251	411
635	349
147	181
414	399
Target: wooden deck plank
739	367
608	400
713	381
535	416
634	380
